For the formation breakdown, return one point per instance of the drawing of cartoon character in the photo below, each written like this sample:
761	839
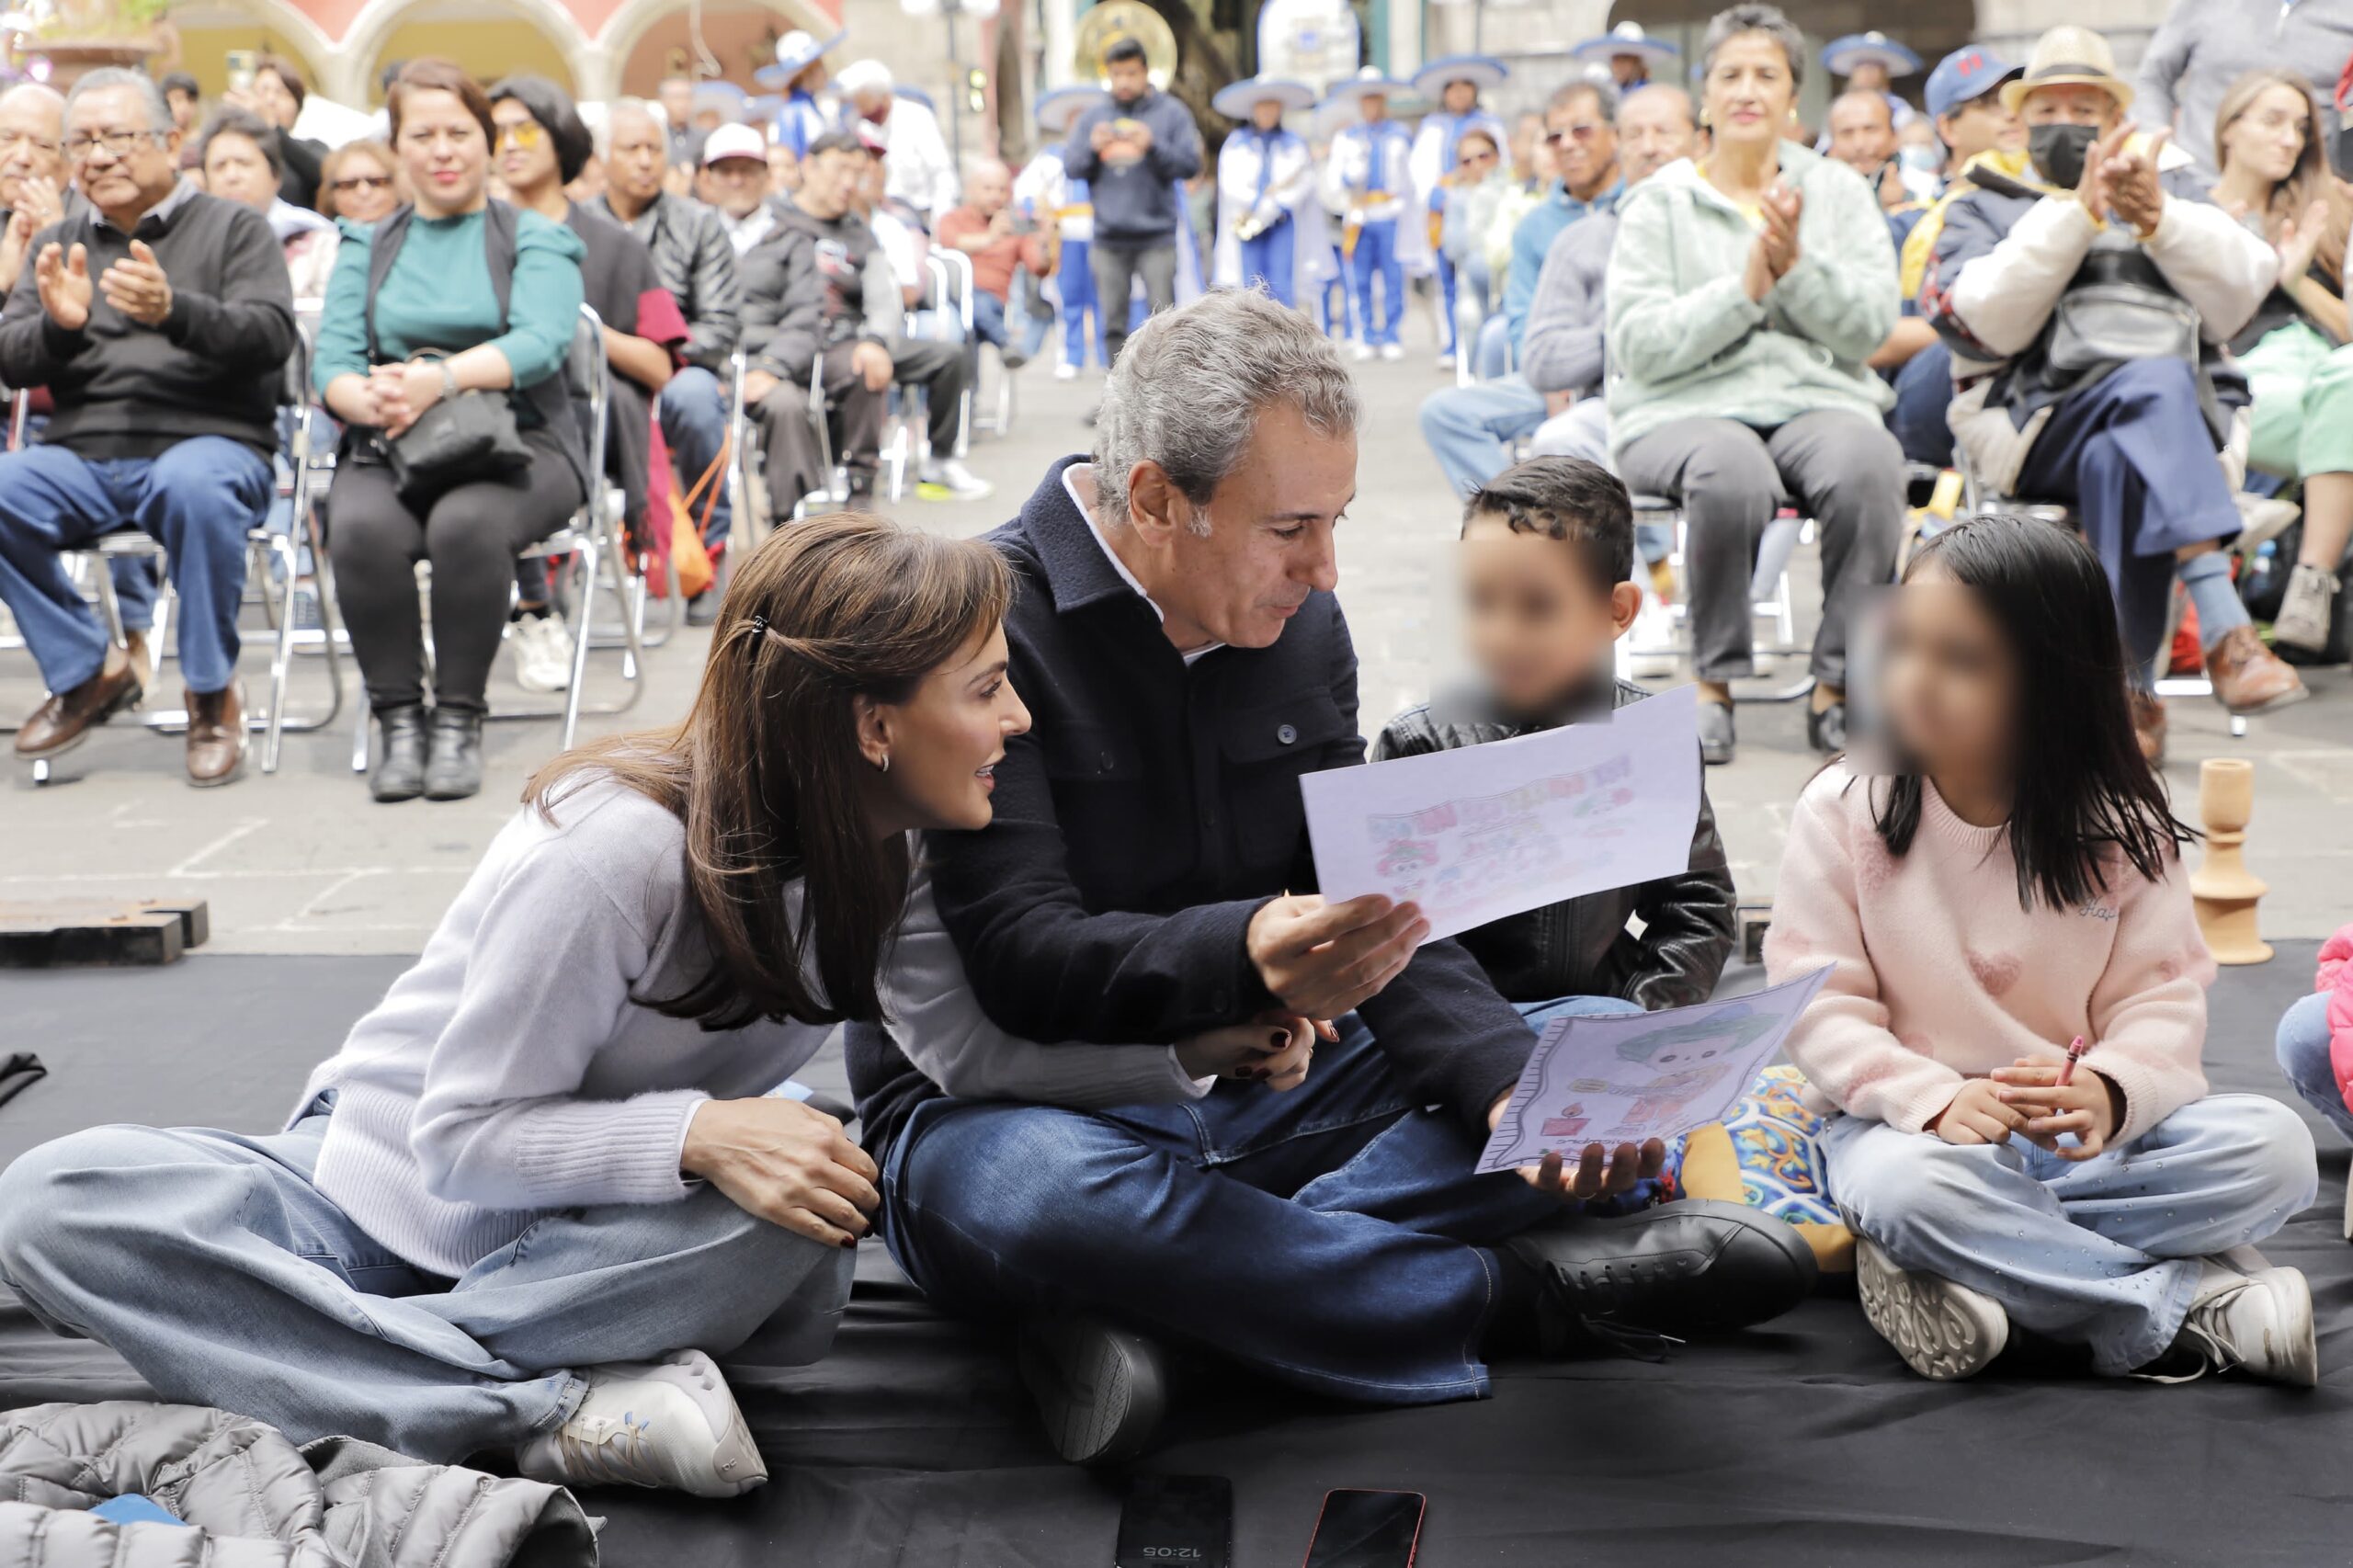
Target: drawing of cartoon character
1406	854
1662	1100
1731	1027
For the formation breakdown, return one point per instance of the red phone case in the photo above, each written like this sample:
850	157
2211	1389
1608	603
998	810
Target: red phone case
1413	1548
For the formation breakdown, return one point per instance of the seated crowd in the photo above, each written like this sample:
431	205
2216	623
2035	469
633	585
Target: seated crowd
155	263
2075	317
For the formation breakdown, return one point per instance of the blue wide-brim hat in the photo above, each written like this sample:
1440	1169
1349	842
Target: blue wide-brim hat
795	52
1236	99
1482	71
1059	110
1843	54
1626	38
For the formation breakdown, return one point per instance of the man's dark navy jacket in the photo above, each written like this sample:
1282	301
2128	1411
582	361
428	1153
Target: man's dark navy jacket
1146	816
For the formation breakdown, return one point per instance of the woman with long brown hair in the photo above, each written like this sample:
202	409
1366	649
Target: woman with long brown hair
550	1175
2276	178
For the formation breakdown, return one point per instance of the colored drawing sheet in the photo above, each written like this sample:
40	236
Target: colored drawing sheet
1474	834
1642	1075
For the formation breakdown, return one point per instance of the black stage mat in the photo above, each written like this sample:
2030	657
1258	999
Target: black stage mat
1807	1443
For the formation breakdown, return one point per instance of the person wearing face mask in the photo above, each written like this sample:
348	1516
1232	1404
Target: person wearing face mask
2061	403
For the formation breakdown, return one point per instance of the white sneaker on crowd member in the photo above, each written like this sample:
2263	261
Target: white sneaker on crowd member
2305	609
2259	1324
1654	629
1359	351
1445	361
1065	372
1942	1330
542	646
954	478
1393	351
670	1423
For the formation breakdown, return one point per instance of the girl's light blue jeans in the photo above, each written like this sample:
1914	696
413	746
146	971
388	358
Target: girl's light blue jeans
2303	1056
210	1262
2104	1253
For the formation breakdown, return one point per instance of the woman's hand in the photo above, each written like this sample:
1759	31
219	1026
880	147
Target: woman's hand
2091	1106
1756	277
789	1165
422	383
1782	208
2298	241
1978	1114
1273	1049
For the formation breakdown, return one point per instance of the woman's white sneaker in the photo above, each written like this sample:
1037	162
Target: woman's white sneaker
1942	1330
670	1423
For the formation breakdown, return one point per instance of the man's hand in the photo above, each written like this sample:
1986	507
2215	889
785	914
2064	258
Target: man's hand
1100	137
789	1165
1140	137
758	384
1323	959
2092	184
1273	1049
2134	193
1976	1115
136	286
65	284
39	199
1600	1172
2091	1106
872	362
1892	192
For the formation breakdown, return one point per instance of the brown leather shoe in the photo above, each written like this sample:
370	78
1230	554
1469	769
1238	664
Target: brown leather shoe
2149	725
64	721
2249	678
216	735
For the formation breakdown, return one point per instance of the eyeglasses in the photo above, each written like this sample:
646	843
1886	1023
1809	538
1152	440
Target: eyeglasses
1581	133
12	140
360	182
118	144
1476	158
525	133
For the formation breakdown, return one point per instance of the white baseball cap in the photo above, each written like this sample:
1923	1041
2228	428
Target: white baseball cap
735	141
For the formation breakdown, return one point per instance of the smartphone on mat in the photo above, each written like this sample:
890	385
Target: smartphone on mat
1367	1529
1177	1521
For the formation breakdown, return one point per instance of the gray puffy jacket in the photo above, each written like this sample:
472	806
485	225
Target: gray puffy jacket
257	1501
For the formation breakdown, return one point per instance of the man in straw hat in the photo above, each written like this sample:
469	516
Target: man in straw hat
1631	54
2068	406
1266	193
1368	180
800	75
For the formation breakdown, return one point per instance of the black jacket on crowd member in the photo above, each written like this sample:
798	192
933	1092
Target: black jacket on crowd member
784	304
696	262
1142	823
1580	947
216	366
300	163
858	294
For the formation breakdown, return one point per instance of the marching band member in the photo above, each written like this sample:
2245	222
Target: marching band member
800	75
1046	191
1367	179
1455	83
1631	55
1269	221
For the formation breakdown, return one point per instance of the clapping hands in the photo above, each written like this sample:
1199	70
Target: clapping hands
1776	249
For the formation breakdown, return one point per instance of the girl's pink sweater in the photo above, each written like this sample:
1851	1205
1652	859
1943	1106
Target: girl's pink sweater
1938	975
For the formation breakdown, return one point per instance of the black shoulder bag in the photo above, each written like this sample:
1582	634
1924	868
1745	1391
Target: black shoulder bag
471	436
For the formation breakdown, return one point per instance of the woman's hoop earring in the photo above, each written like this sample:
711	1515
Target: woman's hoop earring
884	765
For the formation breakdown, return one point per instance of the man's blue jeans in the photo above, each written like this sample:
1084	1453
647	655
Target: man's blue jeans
212	1264
1923	394
693	411
1000	322
1471	429
201	497
1333	1237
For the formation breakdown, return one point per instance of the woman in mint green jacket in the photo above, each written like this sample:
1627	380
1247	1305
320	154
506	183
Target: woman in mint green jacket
1746	292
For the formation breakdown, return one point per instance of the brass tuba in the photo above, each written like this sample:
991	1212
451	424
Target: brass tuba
1107	23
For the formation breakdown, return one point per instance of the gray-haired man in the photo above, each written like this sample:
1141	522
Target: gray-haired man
1148	876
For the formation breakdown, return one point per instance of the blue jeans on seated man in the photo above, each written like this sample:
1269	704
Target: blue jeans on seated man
2303	1057
1923	392
1009	324
200	498
1471	429
213	1265
693	411
1334	1236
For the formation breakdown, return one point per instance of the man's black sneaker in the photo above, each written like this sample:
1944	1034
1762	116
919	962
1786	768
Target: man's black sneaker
1694	1266
1100	1389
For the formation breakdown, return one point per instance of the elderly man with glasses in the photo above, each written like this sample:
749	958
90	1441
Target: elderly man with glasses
160	319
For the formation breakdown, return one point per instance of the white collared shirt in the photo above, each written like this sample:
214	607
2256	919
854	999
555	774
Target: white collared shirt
1086	509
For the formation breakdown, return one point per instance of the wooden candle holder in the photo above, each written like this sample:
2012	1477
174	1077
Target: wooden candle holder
2223	890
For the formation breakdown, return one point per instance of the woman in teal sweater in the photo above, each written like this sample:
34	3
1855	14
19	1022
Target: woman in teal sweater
1746	292
436	292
